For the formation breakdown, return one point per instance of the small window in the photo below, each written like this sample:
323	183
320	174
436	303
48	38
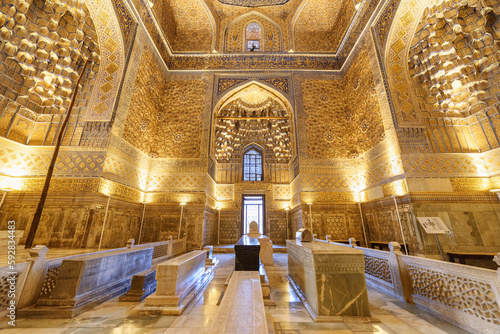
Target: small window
253	35
252	165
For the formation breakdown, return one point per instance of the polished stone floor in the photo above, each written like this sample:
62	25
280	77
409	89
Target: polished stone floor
288	316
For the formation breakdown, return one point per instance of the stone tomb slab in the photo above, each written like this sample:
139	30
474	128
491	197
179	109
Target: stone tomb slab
86	281
329	279
247	251
179	281
242	308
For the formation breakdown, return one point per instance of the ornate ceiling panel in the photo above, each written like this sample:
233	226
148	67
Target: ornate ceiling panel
253	3
186	24
223	14
320	26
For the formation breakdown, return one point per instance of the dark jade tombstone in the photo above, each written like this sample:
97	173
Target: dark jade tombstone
247	254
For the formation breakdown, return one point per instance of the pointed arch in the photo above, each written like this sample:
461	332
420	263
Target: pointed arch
272	36
253	163
224	98
245	110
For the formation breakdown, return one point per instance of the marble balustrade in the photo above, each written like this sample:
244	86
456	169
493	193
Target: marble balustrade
37	276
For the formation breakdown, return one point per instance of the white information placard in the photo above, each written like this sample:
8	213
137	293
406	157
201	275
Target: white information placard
433	225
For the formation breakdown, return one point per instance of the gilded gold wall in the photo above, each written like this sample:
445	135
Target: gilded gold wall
321	25
165	115
185	23
74	219
343	118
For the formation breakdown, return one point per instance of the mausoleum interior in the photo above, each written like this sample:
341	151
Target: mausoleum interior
348	149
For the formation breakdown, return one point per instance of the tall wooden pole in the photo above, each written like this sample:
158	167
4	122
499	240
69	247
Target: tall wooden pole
400	225
142	221
50	171
104	224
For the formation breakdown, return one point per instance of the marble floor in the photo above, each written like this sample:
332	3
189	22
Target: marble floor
287	317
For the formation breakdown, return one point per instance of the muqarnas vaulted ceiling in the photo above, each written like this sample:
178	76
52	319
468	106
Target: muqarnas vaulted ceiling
253	115
254	3
321	25
186	24
310	26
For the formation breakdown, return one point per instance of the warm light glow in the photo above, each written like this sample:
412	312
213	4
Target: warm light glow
399	187
309	203
106	187
287	208
481	169
456	84
10	183
357	6
15	171
183	203
495	190
359	197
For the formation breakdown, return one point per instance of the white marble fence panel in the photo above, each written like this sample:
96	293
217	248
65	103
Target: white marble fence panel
378	270
6	278
464	295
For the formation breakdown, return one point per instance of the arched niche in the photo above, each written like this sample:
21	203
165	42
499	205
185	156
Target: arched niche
235	34
253	114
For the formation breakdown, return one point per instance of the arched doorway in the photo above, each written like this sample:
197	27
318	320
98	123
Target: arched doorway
252	148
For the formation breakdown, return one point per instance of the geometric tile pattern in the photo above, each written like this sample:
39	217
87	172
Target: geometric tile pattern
225	192
281	192
100	106
20	160
125	172
177	182
477	164
312	182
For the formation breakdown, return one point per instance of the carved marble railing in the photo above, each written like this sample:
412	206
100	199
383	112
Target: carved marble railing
378	269
37	276
6	276
464	295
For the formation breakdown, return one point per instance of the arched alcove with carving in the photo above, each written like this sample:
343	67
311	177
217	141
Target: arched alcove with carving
237	33
253	115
